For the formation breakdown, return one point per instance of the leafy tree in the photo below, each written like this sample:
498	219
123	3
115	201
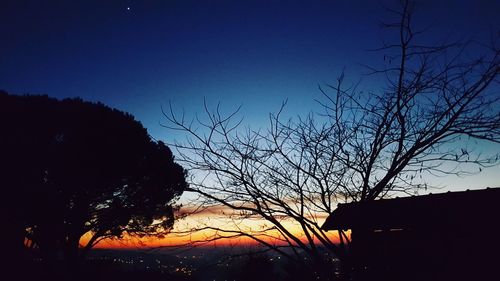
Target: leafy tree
73	167
435	103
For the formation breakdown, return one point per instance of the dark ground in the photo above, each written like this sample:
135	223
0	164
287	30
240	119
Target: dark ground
197	264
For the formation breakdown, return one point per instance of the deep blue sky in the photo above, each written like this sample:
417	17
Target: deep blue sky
139	55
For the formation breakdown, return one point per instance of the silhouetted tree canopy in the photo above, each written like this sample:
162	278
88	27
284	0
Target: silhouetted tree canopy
71	167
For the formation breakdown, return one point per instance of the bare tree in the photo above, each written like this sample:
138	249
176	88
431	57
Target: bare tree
360	147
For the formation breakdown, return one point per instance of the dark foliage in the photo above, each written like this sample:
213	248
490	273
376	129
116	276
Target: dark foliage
71	167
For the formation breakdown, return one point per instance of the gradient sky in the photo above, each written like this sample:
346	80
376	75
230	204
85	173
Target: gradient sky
139	55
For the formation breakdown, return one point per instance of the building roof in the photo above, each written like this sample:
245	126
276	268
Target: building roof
451	210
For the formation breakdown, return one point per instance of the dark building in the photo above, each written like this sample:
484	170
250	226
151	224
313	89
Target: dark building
447	236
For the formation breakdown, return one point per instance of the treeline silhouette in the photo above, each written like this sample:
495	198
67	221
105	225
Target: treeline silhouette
70	167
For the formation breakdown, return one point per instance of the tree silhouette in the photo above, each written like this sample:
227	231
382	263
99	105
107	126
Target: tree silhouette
435	103
73	167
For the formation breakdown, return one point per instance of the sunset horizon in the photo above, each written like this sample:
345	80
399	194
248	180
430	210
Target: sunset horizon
191	140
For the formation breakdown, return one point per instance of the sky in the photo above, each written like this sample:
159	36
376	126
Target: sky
138	56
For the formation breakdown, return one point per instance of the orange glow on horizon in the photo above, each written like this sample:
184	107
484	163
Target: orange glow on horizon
199	238
186	233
